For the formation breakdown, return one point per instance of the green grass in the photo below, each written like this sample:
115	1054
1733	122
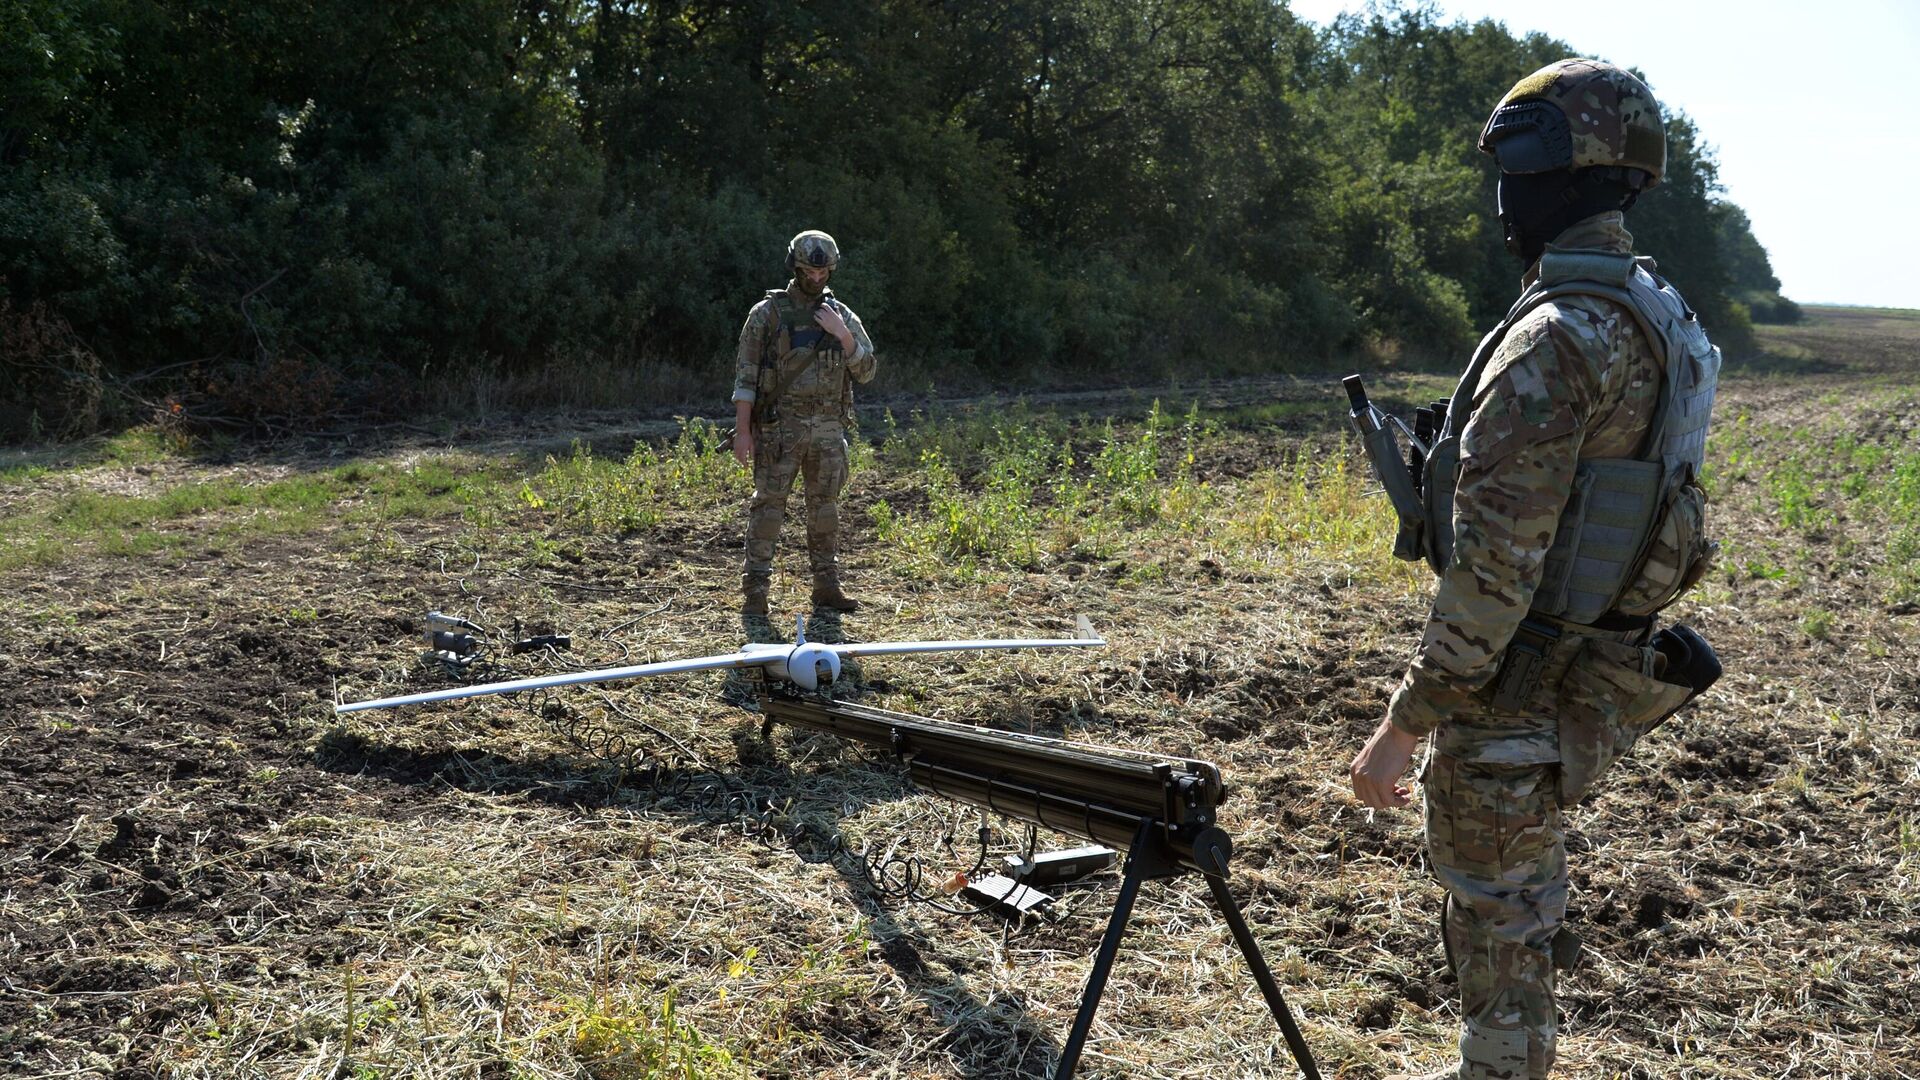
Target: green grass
1317	507
1847	483
1908	831
23	471
1270	413
192	516
1025	500
1817	624
993	490
1329	407
1798	495
135	446
1010	493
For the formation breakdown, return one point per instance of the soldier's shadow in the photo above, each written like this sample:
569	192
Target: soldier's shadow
989	1040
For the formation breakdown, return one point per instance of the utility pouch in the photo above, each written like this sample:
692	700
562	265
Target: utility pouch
1520	669
1678	553
1608	700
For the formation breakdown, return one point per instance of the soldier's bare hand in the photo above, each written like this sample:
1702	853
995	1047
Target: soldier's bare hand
1377	771
743	446
832	323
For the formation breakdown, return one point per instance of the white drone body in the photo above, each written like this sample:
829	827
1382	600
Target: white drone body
807	665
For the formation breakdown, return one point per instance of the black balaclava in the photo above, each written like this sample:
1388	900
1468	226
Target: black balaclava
1536	207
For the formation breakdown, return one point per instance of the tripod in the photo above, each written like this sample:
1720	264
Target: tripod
1151	857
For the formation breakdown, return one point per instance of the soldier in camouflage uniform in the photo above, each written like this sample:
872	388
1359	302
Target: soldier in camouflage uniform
1527	689
800	352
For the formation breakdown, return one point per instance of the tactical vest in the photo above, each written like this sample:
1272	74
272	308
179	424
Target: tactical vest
1630	540
804	371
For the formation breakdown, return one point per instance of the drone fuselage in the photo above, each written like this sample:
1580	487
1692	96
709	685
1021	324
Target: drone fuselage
806	665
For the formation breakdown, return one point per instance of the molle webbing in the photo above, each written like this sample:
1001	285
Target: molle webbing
1602	536
797	328
1679	431
802	365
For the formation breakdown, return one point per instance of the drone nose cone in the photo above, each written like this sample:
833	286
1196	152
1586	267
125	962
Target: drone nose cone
810	665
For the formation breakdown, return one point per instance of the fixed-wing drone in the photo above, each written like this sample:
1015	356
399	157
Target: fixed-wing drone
808	665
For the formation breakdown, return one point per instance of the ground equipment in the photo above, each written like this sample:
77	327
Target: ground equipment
1159	809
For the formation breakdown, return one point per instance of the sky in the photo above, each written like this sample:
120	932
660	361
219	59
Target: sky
1806	106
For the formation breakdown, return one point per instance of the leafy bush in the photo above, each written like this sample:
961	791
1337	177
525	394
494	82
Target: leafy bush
341	198
54	389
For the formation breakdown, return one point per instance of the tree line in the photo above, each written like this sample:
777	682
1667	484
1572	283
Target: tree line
223	204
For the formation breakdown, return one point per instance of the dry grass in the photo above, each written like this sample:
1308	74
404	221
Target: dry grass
459	892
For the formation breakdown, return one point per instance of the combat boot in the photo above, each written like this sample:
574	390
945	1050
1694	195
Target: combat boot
755	603
828	597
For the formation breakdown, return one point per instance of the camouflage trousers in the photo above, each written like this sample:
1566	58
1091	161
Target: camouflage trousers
795	446
1496	843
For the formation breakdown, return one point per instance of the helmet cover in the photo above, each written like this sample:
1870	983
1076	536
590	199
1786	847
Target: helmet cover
813	248
1578	114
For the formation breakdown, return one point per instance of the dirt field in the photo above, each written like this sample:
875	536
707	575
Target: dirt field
206	874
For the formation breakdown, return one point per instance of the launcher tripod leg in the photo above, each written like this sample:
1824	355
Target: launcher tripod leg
1230	911
1138	856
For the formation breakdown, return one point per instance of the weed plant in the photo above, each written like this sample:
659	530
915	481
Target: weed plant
1142	491
637	493
629	1036
1009	492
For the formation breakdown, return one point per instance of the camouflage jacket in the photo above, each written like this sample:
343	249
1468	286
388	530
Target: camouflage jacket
825	381
1574	378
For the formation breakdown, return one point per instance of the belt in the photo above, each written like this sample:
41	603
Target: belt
1534	642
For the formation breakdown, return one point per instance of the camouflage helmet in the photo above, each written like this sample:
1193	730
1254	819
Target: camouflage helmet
1579	114
812	248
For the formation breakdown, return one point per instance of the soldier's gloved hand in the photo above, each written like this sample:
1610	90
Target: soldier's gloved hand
743	446
832	323
1376	772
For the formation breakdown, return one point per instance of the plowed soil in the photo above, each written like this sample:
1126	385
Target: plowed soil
207	874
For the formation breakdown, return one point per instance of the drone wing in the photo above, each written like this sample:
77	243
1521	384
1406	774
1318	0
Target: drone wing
572	678
877	648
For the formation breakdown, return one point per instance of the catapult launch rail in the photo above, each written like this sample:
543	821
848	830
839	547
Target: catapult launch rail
1161	810
1098	794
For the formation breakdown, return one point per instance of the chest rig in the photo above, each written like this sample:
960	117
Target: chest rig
1620	509
803	372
